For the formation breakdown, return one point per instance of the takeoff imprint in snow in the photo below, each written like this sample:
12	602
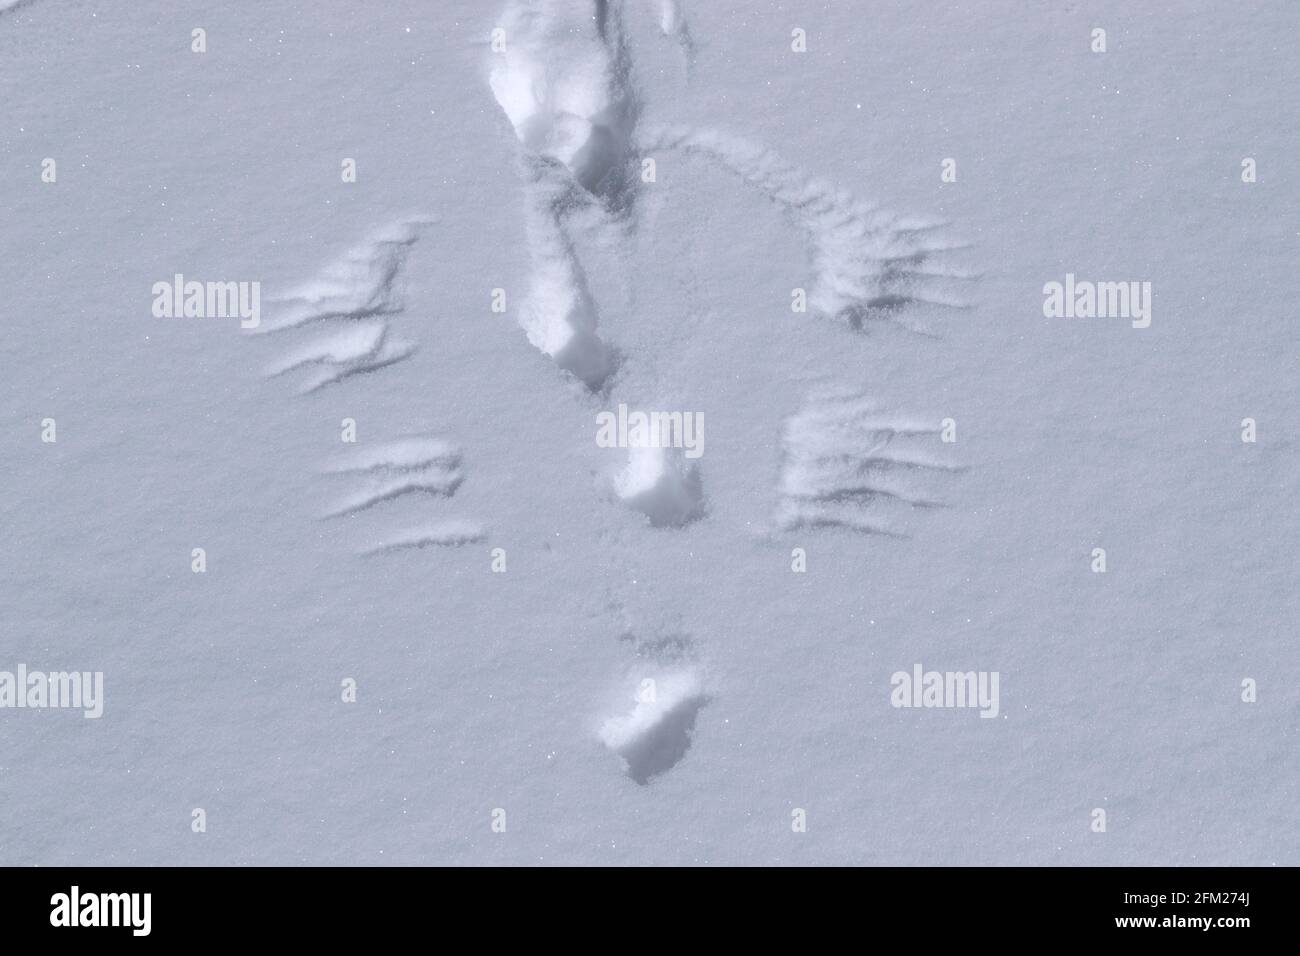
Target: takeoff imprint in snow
562	74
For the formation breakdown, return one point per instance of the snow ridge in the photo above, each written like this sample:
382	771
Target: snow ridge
868	263
347	308
845	464
350	302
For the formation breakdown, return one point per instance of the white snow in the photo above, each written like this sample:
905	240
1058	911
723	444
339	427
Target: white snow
498	585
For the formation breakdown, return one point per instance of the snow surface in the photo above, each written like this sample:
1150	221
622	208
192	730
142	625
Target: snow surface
769	690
